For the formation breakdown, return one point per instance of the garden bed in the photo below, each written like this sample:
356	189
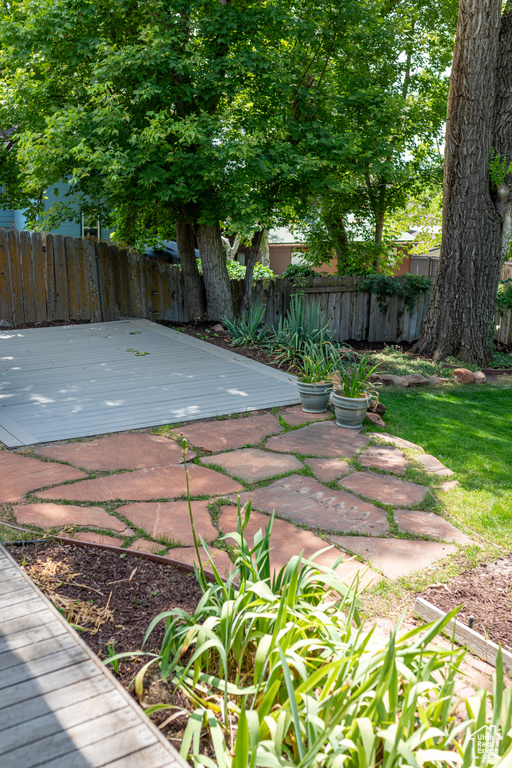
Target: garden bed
484	593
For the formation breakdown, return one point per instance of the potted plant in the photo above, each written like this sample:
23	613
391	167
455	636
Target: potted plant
353	391
314	382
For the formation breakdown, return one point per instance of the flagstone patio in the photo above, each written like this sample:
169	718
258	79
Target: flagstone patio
327	486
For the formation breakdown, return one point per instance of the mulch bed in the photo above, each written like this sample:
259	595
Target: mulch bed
484	593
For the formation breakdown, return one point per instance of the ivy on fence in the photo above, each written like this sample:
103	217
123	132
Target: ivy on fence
408	288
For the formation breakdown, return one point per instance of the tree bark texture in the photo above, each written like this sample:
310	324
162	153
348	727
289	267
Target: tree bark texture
461	312
219	301
502	127
250	263
194	297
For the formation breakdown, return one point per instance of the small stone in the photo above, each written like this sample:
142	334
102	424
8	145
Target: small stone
449	485
428	524
96	538
384	457
399	442
218	328
433	380
416	380
375	378
399	381
395	557
144	545
327	470
5	324
295	416
464	376
252	464
57	515
444	380
480	377
375	418
433	466
387	490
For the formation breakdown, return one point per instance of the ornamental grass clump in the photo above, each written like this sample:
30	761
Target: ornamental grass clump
302	327
352	378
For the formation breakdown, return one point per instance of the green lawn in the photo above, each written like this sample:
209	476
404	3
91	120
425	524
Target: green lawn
469	428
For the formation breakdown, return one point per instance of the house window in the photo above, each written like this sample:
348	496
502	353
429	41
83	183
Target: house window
90	226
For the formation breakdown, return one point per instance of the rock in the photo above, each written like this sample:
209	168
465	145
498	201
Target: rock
375	377
5	324
416	380
444	380
375	418
449	485
400	442
399	381
433	466
218	328
434	380
464	376
480	377
377	407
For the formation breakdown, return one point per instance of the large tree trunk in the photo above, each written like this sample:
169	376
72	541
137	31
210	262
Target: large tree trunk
219	302
193	285
461	313
502	128
249	269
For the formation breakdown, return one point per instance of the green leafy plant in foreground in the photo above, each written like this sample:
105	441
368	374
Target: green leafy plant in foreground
318	363
303	326
352	379
281	672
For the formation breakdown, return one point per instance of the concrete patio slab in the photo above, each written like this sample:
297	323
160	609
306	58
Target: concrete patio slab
384	457
57	515
428	524
232	433
146	484
287	540
75	381
324	439
21	474
171	520
305	501
124	451
387	490
252	464
395	557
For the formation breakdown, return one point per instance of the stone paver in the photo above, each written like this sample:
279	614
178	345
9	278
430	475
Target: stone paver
327	470
171	520
428	524
21	474
146	484
383	457
387	490
231	433
449	485
188	555
287	540
57	515
433	466
399	442
252	464
150	547
123	451
295	416
324	439
395	557
97	538
304	500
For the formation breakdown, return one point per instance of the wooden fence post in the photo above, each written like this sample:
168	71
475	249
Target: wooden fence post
5	279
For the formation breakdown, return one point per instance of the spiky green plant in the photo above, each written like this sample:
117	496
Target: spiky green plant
250	329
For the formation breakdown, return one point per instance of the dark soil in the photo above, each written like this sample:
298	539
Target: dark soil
484	593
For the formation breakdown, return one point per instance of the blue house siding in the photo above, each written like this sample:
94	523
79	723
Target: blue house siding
7	219
70	228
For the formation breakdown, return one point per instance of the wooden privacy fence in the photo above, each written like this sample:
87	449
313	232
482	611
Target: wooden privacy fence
64	278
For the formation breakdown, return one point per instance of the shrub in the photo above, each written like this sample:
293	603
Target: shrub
303	325
294	271
248	329
280	672
236	271
504	297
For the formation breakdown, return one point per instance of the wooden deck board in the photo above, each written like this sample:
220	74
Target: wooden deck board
78	381
59	706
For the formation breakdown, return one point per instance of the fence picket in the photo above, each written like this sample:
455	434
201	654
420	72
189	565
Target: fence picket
14	255
5	279
61	280
39	269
